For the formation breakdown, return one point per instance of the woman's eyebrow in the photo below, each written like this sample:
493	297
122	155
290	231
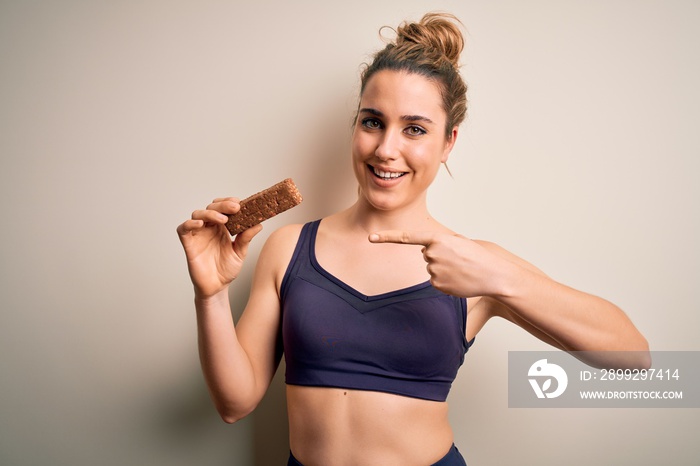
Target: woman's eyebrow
375	112
416	118
371	111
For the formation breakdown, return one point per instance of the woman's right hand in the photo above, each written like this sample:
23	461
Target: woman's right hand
213	259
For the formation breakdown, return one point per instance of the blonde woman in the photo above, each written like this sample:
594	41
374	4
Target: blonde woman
376	306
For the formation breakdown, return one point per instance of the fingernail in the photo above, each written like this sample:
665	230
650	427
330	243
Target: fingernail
374	237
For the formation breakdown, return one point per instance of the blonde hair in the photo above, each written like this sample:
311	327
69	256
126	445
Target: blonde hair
430	47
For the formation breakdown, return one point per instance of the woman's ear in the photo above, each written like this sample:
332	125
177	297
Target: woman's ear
449	144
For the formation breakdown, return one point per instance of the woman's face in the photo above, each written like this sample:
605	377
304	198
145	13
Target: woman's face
399	139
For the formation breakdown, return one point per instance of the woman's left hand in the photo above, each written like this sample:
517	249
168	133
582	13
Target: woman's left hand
457	265
555	313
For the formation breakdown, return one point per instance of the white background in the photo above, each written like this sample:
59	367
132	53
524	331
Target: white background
118	118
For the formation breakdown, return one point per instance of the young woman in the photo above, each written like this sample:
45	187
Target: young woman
374	307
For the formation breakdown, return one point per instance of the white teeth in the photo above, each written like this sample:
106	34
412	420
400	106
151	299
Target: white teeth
387	175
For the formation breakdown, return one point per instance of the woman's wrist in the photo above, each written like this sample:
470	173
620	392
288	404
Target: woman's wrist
203	300
512	279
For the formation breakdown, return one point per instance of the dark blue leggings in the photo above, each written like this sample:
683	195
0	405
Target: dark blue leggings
452	458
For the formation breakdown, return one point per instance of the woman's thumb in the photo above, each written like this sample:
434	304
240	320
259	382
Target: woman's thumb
243	239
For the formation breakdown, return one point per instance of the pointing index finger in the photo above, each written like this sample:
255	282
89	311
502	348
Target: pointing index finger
402	237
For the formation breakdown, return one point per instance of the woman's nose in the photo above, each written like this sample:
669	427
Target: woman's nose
388	148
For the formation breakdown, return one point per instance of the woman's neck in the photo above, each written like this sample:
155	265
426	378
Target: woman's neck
363	216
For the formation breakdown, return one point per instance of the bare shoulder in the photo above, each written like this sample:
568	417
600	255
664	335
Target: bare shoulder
283	238
278	250
483	308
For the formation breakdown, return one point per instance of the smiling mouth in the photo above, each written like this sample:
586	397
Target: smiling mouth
385	175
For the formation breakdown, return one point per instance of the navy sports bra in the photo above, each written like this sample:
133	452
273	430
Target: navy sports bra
408	342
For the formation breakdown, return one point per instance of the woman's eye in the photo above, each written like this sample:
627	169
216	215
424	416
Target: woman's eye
415	131
371	123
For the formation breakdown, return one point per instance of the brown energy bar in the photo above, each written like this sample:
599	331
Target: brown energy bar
263	205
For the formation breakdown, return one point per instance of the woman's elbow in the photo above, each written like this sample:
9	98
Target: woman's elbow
643	355
637	348
635	355
233	414
621	353
231	419
645	362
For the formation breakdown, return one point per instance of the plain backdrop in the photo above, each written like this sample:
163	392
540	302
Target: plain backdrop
119	118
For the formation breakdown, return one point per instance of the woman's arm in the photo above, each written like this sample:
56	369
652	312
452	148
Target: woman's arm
570	319
238	361
515	290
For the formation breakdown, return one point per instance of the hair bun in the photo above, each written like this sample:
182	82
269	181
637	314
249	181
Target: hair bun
439	31
430	48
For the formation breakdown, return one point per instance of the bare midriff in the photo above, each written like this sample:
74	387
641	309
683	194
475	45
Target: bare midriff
338	427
